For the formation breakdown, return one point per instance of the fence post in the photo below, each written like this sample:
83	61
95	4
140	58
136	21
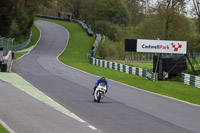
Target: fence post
192	80
182	77
137	71
108	64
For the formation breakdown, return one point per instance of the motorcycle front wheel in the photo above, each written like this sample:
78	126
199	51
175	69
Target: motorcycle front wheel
99	97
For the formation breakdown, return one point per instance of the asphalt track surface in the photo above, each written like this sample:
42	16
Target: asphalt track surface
125	109
25	114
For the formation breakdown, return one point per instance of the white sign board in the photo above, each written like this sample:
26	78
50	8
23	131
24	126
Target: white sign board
160	46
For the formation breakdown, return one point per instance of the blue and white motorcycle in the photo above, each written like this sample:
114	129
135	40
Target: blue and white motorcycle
99	92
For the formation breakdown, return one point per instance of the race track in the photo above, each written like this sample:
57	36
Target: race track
125	109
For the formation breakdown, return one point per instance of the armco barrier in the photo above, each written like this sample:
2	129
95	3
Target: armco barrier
81	23
123	68
51	17
95	45
84	26
20	46
189	79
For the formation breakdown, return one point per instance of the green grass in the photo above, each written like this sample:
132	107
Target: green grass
80	44
3	130
18	55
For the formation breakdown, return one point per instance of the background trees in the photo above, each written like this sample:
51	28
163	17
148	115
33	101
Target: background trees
117	19
17	16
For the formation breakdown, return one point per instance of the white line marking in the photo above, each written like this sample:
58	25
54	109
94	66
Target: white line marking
6	127
92	127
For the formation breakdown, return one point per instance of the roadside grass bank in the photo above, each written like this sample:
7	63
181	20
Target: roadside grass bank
80	44
3	130
18	55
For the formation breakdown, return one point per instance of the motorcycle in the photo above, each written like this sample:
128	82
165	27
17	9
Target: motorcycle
99	92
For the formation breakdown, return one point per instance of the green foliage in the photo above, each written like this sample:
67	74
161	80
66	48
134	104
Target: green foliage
22	20
110	30
114	50
6	16
114	11
150	28
17	16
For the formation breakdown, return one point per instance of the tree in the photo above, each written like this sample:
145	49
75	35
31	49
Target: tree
196	4
86	9
6	16
168	10
137	9
114	11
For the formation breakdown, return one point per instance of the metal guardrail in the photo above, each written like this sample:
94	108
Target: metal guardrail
84	26
81	23
95	45
22	45
52	17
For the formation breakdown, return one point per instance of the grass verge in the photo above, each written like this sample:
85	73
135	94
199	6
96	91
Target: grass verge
80	44
18	55
3	130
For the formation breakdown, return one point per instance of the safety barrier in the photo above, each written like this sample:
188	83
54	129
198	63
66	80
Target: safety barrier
189	79
22	45
123	68
81	23
95	45
84	26
52	17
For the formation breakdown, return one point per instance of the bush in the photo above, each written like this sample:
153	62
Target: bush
114	32
110	30
109	49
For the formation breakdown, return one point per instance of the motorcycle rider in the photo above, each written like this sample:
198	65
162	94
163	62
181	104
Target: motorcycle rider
102	79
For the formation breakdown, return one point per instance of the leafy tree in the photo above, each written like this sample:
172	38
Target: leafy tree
114	11
137	9
168	10
6	16
86	9
112	31
196	4
18	15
